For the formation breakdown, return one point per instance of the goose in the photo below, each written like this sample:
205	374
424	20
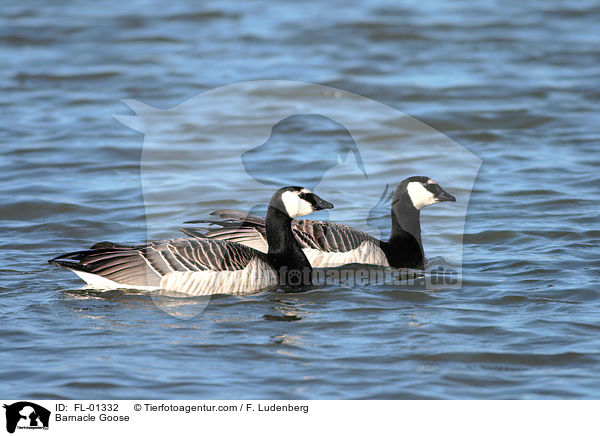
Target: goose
198	266
327	244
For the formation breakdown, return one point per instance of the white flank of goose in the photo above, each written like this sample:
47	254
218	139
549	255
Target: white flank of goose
198	266
328	244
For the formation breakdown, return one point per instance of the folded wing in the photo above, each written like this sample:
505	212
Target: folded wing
325	243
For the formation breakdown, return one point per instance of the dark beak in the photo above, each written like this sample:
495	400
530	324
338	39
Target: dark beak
322	204
442	195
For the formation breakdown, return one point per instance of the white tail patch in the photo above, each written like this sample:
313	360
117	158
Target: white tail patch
294	205
99	282
419	195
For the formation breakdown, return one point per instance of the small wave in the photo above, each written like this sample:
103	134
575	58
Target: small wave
67	77
516	359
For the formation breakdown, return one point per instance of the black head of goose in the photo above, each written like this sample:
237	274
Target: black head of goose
287	255
328	244
201	266
405	247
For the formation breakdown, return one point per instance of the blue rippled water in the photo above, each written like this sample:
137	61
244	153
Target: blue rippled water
514	83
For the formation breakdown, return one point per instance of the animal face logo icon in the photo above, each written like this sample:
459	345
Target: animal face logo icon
291	153
24	414
241	141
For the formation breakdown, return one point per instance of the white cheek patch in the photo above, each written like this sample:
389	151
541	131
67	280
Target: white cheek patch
294	205
419	195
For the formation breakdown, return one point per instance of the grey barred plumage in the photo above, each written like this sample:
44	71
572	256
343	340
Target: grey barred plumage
250	230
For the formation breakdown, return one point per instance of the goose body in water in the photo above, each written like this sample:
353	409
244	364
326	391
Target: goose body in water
328	244
199	266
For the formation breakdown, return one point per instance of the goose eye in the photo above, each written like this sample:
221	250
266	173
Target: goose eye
305	196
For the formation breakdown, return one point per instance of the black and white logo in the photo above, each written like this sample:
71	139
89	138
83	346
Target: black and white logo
26	415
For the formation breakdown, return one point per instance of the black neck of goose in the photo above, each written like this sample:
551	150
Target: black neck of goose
284	250
406	248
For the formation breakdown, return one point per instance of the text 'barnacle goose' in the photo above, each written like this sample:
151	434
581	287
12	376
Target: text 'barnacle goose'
200	266
328	244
